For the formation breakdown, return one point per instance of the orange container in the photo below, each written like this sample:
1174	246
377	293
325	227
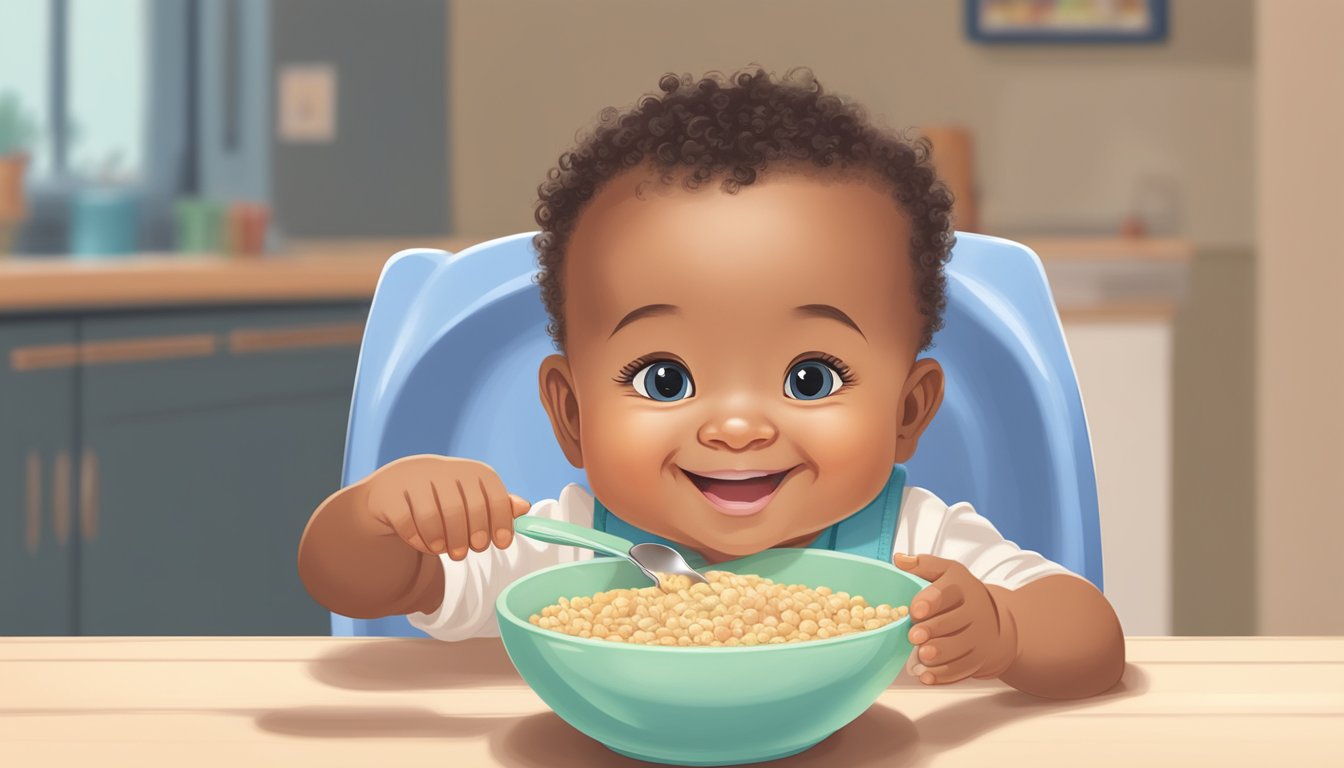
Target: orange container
13	204
245	229
954	159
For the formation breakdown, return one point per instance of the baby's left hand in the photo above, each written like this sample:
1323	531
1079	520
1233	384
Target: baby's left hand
962	631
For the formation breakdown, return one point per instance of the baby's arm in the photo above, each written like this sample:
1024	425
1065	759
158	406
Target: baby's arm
995	610
1068	639
373	549
469	588
1056	637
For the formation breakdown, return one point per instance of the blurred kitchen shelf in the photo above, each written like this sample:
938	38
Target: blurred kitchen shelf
1117	249
307	271
1106	277
1114	279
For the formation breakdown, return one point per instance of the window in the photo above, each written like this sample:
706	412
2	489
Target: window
24	66
107	73
104	82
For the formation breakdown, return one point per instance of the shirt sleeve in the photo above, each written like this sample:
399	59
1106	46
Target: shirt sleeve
958	532
472	585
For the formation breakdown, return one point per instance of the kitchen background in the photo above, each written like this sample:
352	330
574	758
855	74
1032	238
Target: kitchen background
198	195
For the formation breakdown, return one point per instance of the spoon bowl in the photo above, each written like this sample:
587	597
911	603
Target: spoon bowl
659	562
655	560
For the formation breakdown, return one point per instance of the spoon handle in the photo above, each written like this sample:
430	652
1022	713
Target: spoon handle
557	532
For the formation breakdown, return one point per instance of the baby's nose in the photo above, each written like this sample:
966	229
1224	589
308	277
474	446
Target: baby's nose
738	433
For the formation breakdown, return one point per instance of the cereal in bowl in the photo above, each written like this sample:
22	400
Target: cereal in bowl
731	610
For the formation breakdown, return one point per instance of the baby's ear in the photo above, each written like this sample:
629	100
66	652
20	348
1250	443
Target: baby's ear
557	397
920	398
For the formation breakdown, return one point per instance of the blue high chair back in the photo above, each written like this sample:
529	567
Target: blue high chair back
453	342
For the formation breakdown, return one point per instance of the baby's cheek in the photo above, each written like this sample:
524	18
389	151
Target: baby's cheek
853	461
625	448
850	444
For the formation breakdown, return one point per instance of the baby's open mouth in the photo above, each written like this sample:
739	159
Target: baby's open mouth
738	492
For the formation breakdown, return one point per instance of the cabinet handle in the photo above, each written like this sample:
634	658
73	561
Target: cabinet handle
39	357
133	350
60	496
248	341
137	350
88	495
32	503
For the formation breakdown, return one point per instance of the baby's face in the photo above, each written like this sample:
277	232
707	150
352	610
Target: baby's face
740	369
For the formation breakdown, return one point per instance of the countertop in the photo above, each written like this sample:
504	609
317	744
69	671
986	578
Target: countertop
339	270
308	272
348	701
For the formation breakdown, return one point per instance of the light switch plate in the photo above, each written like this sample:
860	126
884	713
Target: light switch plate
307	103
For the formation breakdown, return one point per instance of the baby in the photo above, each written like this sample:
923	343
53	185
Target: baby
740	273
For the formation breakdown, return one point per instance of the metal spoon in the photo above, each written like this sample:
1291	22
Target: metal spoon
652	559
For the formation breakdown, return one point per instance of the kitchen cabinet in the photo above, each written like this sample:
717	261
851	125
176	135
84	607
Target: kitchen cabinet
1119	302
201	441
1124	367
37	440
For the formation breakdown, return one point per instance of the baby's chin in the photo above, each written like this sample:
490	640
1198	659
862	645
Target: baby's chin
729	537
733	546
735	549
717	545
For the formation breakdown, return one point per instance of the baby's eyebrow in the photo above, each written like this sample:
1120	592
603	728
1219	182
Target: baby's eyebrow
648	310
828	311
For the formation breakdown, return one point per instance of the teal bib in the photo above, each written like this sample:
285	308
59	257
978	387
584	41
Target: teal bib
870	532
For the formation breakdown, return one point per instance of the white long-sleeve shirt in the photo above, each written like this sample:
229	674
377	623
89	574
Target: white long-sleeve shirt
926	526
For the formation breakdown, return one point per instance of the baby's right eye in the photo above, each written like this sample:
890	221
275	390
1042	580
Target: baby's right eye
664	381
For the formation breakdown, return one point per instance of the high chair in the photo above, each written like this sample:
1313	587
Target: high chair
449	366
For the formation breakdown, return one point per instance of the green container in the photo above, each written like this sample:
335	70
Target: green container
709	706
199	227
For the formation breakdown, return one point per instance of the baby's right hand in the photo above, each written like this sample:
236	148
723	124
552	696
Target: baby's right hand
439	504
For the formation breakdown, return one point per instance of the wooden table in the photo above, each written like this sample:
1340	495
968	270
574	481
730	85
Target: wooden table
333	701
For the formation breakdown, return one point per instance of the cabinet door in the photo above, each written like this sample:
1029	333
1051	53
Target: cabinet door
209	440
37	437
1124	370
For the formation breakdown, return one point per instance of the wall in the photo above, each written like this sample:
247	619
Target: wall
1300	116
1064	134
386	173
1213	448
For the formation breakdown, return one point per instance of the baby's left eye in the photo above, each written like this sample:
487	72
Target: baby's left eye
811	380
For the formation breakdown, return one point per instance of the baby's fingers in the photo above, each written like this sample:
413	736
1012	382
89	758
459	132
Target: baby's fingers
946	648
426	516
951	672
500	508
948	623
520	505
478	513
926	567
939	597
454	517
403	525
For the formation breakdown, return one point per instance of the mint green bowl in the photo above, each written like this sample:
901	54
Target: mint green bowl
709	706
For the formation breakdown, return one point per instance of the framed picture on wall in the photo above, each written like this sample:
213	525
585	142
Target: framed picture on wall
1066	21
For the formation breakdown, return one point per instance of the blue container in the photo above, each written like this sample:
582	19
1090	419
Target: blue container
104	222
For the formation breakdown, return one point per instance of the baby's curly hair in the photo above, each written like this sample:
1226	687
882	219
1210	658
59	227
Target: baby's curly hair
734	129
